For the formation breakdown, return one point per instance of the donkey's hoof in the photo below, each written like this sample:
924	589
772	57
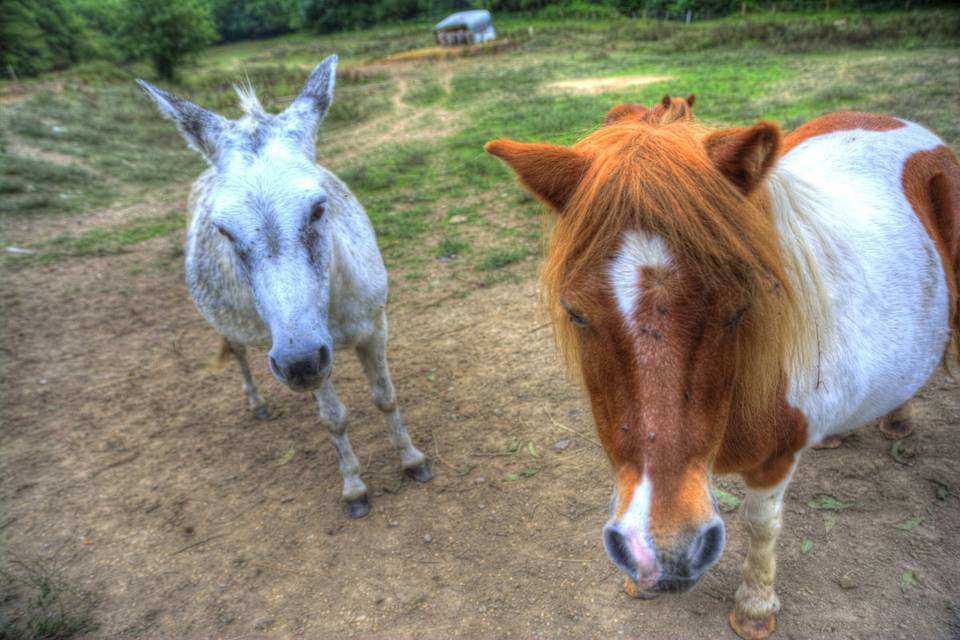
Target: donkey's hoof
263	413
636	592
896	429
752	629
421	472
358	507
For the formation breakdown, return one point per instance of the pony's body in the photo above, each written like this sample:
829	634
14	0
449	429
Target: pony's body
840	206
731	298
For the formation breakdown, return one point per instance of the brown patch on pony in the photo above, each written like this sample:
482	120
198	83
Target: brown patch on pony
931	183
664	112
840	121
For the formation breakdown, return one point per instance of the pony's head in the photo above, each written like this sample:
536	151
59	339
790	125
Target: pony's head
664	112
267	200
668	292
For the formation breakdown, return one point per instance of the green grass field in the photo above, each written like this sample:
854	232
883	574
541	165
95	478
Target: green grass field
408	138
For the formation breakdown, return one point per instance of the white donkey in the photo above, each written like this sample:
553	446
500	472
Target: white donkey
280	253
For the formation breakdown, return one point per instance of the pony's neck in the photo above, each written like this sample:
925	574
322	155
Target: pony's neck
811	257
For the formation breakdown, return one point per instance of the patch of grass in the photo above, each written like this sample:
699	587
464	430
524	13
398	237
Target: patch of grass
449	247
500	257
101	242
39	603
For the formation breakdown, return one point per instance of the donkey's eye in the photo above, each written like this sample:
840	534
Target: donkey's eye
226	234
317	211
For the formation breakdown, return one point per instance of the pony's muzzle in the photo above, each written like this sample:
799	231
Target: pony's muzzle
301	370
658	571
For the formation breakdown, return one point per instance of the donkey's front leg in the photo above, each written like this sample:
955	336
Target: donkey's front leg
254	401
334	416
373	357
755	612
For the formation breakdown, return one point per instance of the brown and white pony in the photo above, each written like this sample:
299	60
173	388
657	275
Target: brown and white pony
732	297
664	112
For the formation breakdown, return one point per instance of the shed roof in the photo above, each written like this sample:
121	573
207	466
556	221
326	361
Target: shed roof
473	20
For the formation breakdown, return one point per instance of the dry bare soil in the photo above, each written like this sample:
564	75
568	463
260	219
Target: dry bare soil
124	453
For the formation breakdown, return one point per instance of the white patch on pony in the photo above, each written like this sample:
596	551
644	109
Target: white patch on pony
847	226
638	249
636	517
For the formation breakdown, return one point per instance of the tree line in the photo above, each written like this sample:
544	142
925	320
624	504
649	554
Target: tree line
43	35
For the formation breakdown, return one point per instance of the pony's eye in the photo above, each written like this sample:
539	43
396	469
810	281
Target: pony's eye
576	319
317	211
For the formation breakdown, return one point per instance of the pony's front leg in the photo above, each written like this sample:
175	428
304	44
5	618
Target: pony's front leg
373	357
254	401
756	603
334	416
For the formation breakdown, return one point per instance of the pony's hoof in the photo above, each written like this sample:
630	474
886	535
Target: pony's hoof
420	473
359	507
263	413
634	591
896	429
830	442
751	629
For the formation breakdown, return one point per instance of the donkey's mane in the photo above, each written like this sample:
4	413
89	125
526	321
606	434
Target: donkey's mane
660	179
249	101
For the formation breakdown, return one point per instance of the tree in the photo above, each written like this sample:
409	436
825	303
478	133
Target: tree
167	31
240	19
39	36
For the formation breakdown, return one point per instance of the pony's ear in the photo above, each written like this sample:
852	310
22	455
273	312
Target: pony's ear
665	101
690	100
621	111
199	127
744	155
310	107
550	171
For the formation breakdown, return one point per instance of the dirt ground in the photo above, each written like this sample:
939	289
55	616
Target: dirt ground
123	451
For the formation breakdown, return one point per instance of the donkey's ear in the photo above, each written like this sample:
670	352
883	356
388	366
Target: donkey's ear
550	171
745	155
315	98
199	127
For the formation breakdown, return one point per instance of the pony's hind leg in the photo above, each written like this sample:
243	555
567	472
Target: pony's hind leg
254	401
756	603
897	424
334	416
373	357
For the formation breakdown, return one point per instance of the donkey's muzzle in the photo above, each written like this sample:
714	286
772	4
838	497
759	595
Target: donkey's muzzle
302	370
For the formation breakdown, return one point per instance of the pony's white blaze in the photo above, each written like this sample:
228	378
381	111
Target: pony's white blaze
634	525
638	249
885	325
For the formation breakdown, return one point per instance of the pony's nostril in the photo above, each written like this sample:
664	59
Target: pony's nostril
616	546
710	547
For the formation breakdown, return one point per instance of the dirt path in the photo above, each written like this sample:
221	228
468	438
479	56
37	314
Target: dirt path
187	518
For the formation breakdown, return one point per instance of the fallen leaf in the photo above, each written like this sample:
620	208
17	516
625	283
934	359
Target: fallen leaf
532	450
728	501
529	473
806	546
431	376
908	581
511	477
829	521
910	523
287	456
828	503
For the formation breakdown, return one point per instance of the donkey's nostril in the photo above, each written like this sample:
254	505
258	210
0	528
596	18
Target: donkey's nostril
275	366
324	358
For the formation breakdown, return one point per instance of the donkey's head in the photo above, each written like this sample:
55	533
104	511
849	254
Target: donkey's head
268	202
665	280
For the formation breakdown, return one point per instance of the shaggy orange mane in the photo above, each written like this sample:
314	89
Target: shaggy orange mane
659	178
